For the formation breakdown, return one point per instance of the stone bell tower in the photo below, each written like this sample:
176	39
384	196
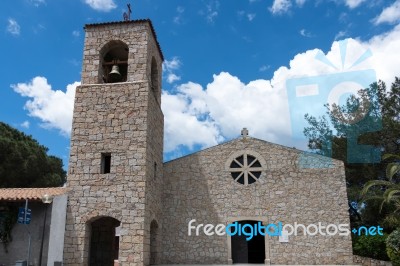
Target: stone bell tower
115	167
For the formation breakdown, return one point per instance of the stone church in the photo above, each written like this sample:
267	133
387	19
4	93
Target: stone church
128	207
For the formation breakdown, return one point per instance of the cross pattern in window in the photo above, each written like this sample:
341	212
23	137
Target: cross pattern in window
245	169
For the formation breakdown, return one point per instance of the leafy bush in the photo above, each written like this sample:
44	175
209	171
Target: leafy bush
393	247
8	214
370	246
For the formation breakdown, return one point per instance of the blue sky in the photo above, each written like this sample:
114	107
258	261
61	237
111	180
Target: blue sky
227	62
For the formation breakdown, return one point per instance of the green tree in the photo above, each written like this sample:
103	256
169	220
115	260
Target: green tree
25	163
370	246
393	247
387	192
383	104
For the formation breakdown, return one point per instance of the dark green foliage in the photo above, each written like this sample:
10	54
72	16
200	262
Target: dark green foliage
25	163
386	106
370	246
393	247
8	214
386	193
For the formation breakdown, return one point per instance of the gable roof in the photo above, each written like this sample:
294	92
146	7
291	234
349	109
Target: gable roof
232	141
19	194
261	142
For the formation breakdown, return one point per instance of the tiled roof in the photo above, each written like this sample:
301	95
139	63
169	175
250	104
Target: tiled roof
127	22
17	194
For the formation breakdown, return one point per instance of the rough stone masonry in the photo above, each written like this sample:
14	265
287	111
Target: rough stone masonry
127	205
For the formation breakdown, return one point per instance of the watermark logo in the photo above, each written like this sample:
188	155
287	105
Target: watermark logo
272	229
278	229
310	94
368	231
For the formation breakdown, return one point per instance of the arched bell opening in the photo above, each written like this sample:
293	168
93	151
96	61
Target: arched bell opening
114	62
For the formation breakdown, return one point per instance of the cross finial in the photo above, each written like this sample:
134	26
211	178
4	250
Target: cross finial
244	132
127	15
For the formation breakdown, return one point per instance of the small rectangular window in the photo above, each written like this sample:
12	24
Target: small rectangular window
155	170
105	163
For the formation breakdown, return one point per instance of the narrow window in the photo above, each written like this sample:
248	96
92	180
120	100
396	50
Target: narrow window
155	170
105	163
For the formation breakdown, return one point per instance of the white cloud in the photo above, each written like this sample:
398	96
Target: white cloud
353	3
76	33
178	18
37	2
203	116
184	111
25	124
340	35
173	64
251	16
101	5
280	6
74	62
211	16
211	12
13	27
386	56
300	2
207	116
390	14
53	107
180	9
284	6
170	67
264	68
171	78
305	33
38	28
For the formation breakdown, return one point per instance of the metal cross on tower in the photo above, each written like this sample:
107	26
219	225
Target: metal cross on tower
127	16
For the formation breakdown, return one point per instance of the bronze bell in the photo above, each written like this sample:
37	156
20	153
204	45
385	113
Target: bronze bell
114	74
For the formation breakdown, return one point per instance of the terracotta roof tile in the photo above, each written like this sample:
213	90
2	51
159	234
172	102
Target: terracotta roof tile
17	194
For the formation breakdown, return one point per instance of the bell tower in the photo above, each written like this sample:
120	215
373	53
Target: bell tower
115	167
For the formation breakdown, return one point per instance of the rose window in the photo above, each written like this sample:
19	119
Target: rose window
245	169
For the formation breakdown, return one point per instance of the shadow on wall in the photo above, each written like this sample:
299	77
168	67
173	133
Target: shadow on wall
17	249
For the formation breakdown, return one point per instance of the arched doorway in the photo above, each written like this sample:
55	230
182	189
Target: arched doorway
251	251
104	242
154	238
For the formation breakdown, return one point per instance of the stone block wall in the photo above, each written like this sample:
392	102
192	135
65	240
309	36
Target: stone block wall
123	120
108	118
200	187
154	156
370	262
137	35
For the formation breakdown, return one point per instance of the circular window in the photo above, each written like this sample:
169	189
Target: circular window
245	169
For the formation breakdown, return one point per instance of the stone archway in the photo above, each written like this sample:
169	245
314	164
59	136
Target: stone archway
154	242
252	251
104	244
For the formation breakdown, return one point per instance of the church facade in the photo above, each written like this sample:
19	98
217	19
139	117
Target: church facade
126	206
